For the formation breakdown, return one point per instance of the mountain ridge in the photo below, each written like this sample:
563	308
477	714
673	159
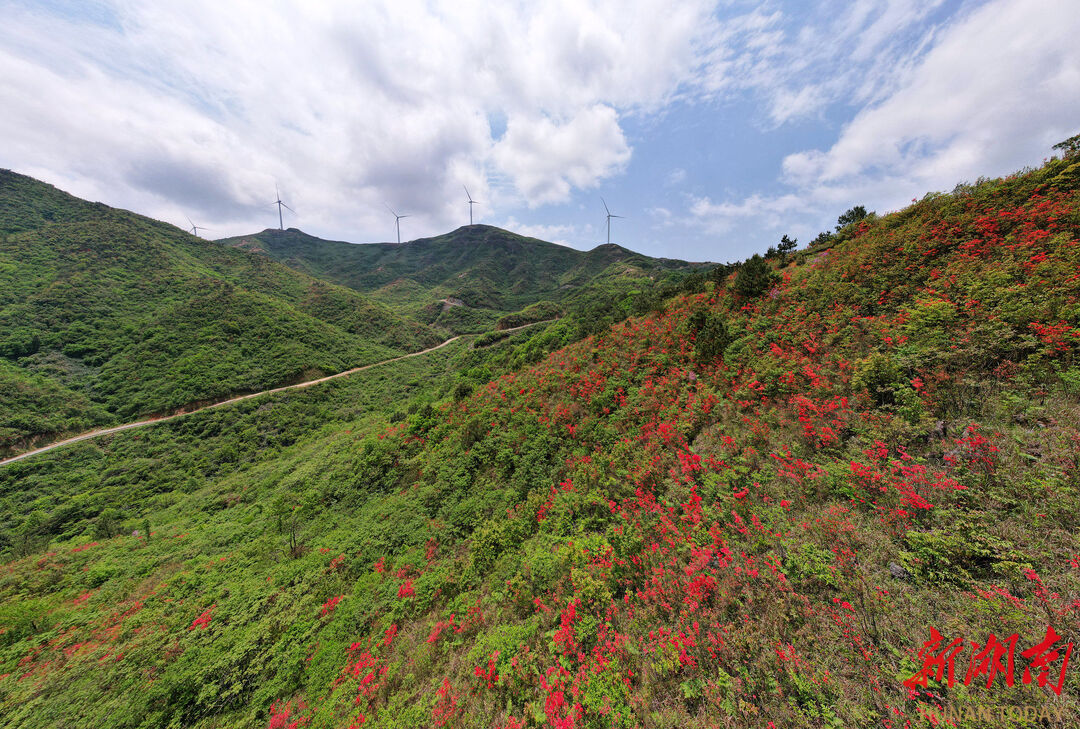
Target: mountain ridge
120	314
484	266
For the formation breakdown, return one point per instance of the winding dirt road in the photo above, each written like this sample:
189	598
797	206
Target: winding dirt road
163	418
182	413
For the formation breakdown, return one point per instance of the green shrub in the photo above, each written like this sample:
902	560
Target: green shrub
881	377
964	552
711	336
811	562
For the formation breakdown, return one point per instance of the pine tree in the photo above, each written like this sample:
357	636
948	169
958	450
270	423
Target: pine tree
1069	147
754	278
853	215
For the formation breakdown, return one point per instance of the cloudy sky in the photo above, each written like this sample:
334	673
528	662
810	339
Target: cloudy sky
714	127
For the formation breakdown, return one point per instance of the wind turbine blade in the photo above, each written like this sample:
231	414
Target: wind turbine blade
288	208
468	195
390	209
190	221
618	216
605	206
404	216
277	194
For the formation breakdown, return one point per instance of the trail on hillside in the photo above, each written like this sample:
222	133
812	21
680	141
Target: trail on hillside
163	418
474	345
182	413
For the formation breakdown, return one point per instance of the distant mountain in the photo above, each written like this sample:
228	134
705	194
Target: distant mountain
106	314
483	267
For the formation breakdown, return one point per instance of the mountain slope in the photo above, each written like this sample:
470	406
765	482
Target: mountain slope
134	316
483	267
745	508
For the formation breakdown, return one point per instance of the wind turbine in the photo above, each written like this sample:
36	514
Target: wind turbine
471	203
609	217
196	228
397	221
280	205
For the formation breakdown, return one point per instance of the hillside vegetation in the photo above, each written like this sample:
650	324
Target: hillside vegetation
105	315
464	281
750	506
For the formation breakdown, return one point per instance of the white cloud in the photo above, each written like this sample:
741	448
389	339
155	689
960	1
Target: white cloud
1008	71
804	167
199	107
791	104
724	216
992	92
799	65
676	177
560	234
546	160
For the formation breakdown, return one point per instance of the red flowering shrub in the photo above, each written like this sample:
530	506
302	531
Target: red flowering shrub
203	621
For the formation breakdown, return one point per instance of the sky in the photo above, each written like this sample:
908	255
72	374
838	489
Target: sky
713	127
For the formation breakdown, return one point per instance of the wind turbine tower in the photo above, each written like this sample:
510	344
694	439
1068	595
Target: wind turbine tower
471	203
397	221
280	205
609	217
196	228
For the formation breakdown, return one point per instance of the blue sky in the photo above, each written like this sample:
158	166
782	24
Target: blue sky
713	127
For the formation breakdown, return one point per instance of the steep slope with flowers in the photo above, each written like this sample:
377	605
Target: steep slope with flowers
749	510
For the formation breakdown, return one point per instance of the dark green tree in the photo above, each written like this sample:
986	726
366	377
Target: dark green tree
422	418
755	277
711	336
853	215
108	524
19	342
1070	147
291	514
462	390
787	245
720	273
31	536
694	283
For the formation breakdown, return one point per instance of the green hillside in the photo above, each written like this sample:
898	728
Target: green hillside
749	507
105	315
465	280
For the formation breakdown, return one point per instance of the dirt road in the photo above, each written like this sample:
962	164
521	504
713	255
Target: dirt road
308	383
163	418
